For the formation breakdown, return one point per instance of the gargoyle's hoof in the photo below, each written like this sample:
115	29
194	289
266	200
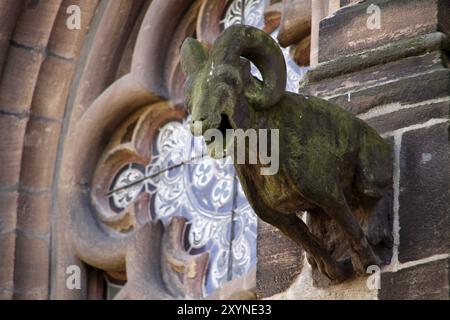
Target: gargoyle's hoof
358	266
379	234
335	271
365	258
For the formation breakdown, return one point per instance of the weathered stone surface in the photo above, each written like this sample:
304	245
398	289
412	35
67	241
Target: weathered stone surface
349	27
320	10
409	90
376	219
382	210
107	44
19	79
34	294
35	23
144	265
427	281
380	72
323	148
302	51
280	261
398	82
39	153
7	244
12	131
33	213
6	293
8	206
65	42
348	2
410	47
9	11
295	21
272	17
409	116
443	16
332	79
243	288
52	88
32	259
424	190
303	289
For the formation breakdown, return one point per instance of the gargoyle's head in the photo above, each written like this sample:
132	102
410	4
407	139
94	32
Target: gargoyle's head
218	81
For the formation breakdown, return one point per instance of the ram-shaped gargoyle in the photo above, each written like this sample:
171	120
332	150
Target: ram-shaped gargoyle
326	155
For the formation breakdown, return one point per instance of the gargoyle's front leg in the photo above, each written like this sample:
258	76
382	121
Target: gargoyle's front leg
380	231
342	214
293	227
298	231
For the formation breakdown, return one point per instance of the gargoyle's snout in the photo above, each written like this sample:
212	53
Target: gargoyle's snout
200	124
196	127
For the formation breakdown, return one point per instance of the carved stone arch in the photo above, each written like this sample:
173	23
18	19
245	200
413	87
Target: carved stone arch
119	59
88	135
151	43
50	75
154	77
149	73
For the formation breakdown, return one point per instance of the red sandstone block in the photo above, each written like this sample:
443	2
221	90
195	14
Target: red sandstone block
35	24
31	264
7	244
9	11
39	153
52	88
66	42
19	79
33	213
12	131
8	208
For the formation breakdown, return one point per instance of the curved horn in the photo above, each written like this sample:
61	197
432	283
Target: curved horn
263	51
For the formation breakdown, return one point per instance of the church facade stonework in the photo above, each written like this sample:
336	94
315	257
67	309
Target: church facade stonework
105	193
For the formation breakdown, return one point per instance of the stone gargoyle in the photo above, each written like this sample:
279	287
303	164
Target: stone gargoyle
326	155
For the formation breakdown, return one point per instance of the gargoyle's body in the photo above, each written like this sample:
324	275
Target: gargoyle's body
319	144
326	157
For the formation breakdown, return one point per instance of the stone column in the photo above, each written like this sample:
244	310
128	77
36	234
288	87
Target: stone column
320	9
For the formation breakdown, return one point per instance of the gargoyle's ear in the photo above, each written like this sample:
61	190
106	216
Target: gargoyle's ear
193	55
